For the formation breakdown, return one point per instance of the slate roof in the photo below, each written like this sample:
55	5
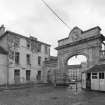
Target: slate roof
97	68
3	51
19	35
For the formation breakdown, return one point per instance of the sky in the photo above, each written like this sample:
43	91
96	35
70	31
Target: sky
77	60
32	17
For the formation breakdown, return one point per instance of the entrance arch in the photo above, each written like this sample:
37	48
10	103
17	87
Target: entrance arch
77	60
70	57
75	66
87	43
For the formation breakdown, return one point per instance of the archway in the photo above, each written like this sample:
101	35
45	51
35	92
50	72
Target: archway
75	66
77	60
87	43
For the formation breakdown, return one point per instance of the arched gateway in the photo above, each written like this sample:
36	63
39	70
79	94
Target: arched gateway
88	43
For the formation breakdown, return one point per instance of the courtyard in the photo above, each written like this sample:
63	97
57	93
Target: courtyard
49	95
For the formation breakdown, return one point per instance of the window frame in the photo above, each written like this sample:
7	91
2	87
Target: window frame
28	58
28	76
28	44
39	47
101	75
39	60
17	57
94	75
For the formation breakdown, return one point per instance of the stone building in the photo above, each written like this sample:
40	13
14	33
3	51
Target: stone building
88	43
3	66
25	57
50	67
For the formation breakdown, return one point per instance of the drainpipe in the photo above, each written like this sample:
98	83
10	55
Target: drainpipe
76	81
7	72
7	64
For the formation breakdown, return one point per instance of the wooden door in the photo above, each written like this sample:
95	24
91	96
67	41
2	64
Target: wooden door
17	76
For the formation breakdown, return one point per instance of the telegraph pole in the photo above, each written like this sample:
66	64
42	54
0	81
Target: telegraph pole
55	14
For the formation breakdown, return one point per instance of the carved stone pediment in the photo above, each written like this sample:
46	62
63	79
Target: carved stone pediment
75	34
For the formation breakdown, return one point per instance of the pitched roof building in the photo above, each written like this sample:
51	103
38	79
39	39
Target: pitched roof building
25	56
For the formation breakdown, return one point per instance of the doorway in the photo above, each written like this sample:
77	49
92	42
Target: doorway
28	72
75	65
17	76
39	75
88	81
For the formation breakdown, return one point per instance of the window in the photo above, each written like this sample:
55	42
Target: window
94	75
28	72
46	50
46	59
38	75
17	57
28	44
39	60
28	59
101	75
39	47
16	42
11	54
16	72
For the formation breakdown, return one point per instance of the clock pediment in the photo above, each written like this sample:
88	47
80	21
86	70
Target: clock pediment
75	34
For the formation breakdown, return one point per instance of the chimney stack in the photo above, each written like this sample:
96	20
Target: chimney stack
2	30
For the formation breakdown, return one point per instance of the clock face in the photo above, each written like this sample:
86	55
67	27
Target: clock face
75	36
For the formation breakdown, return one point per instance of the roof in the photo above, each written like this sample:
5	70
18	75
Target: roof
97	68
19	35
92	29
81	41
82	32
3	51
51	59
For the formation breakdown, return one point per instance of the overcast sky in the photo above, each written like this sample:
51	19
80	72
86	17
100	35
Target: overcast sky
32	17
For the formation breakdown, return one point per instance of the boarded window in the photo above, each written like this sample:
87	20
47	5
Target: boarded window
94	75
101	75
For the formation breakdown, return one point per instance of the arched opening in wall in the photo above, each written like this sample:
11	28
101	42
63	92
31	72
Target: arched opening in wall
75	66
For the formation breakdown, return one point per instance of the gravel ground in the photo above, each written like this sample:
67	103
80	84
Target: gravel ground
48	95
